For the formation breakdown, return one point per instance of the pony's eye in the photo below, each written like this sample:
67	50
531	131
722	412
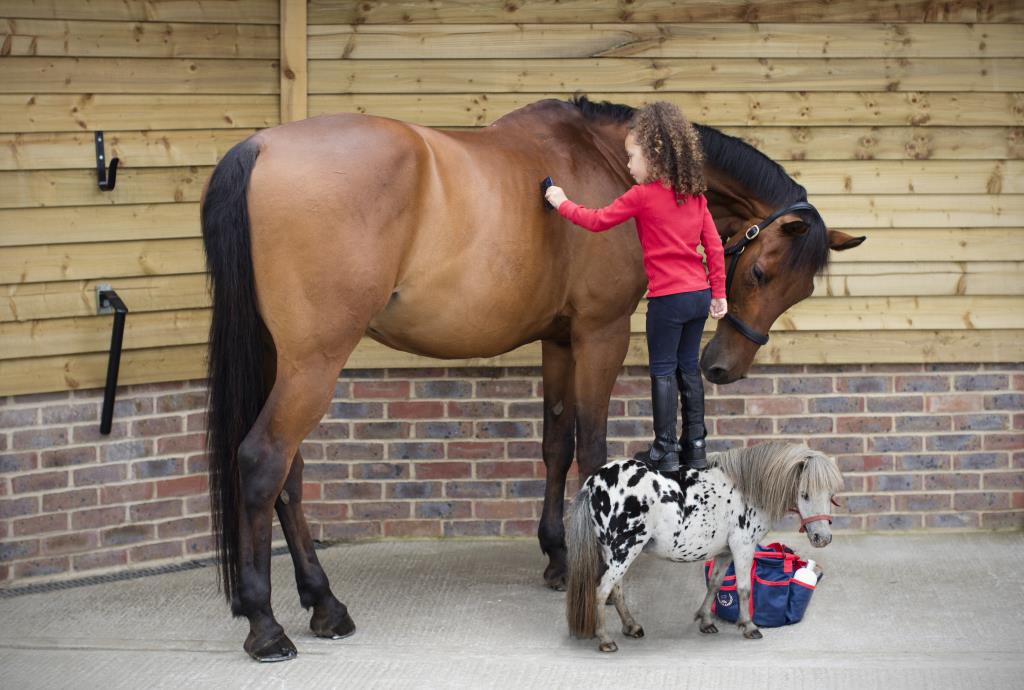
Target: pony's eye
806	497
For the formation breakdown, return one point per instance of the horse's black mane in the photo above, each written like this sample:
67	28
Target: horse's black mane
766	179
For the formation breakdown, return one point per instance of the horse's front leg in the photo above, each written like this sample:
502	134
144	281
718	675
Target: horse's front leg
707	622
743	558
558	448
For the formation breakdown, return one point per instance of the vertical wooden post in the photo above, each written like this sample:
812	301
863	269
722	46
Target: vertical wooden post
293	60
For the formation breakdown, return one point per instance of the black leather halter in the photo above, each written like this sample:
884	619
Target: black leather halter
735	250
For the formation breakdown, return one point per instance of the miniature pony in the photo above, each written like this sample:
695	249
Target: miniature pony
720	512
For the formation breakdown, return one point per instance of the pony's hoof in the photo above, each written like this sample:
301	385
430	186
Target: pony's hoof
754	634
278	649
608	647
334	624
708	629
554	577
636	631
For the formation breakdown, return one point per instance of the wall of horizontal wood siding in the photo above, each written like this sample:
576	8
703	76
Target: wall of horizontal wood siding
905	121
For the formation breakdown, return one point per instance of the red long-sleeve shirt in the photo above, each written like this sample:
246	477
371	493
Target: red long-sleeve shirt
669	234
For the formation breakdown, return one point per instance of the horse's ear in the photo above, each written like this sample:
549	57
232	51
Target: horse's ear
840	240
794	227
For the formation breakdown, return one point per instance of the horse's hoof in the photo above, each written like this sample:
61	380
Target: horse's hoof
278	649
608	647
636	631
708	629
754	634
333	625
555	578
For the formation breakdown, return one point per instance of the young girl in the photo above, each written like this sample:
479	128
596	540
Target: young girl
672	218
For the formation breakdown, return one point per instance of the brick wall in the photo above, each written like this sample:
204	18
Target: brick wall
431	453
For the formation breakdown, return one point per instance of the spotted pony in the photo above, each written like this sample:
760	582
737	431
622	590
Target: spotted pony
721	512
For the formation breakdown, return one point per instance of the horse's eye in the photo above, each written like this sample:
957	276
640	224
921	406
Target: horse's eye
758	273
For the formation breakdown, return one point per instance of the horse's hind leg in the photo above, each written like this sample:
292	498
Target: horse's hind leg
630	627
558	447
330	616
296	403
707	622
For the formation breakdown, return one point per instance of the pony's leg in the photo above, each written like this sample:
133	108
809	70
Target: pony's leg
330	616
742	558
599	354
558	447
630	627
609	582
297	402
707	622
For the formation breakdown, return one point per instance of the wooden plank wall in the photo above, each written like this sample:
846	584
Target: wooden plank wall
905	121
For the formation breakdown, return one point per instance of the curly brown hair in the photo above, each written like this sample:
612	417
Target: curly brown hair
672	148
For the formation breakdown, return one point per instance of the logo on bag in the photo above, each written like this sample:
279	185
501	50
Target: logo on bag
724	599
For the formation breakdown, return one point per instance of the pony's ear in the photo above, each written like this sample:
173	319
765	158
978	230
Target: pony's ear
839	241
794	227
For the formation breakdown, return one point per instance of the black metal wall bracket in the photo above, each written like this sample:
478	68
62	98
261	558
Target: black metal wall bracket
103	178
107	302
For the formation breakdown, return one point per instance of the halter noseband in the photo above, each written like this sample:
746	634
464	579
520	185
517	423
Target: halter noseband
804	521
735	250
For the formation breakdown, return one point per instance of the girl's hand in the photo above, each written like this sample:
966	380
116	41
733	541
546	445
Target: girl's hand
555	196
719	307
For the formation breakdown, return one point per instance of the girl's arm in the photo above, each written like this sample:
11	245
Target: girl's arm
601	219
713	251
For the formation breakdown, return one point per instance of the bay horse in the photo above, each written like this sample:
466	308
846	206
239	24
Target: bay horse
722	513
436	242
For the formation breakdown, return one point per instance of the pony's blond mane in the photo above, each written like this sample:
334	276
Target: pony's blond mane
772	475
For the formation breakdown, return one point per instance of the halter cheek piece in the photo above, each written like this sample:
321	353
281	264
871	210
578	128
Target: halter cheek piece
735	250
804	521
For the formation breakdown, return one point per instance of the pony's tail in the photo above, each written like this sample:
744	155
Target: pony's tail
235	368
584	568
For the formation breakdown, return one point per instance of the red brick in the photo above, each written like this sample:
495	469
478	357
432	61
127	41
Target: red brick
1003	441
504	389
503	510
97	517
11	463
70	543
893	522
353	491
865	463
1003	480
127	493
519	528
44	481
380	389
523	449
472	528
381	510
774	406
631	388
70	500
325	512
152	552
351	531
476	409
435	510
443	470
181	402
413	489
959	402
1003	520
183	527
157	426
982	501
35	439
100	559
381	430
42	566
312	491
951	481
416	409
354	451
412	528
505	470
381	470
184	486
55	522
923	502
28	505
101	474
143	512
189	443
70	414
17	550
742	426
952	520
62	457
195	546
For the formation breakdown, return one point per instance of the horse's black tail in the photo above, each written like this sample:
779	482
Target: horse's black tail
584	568
235	367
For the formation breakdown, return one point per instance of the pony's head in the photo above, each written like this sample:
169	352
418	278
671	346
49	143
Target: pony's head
781	477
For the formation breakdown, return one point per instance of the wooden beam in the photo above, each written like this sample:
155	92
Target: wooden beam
255	11
719	109
83	224
294	90
42	374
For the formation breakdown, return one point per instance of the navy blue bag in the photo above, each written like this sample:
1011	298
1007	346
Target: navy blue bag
776	599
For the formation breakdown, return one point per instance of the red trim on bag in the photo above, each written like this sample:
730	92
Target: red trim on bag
771	583
803	584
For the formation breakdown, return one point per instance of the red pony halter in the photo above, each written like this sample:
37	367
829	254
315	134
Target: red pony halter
804	521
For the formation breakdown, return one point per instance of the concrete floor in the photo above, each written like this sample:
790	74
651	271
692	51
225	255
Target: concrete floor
894	611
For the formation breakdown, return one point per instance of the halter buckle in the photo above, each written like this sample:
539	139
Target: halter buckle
752	232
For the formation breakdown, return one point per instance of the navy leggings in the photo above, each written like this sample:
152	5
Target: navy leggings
674	327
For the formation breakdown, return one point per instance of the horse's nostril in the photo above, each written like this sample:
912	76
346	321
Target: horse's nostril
717	375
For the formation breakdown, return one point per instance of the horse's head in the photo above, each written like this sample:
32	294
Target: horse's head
820	481
776	244
771	265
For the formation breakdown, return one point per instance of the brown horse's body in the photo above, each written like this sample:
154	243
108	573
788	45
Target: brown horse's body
435	243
